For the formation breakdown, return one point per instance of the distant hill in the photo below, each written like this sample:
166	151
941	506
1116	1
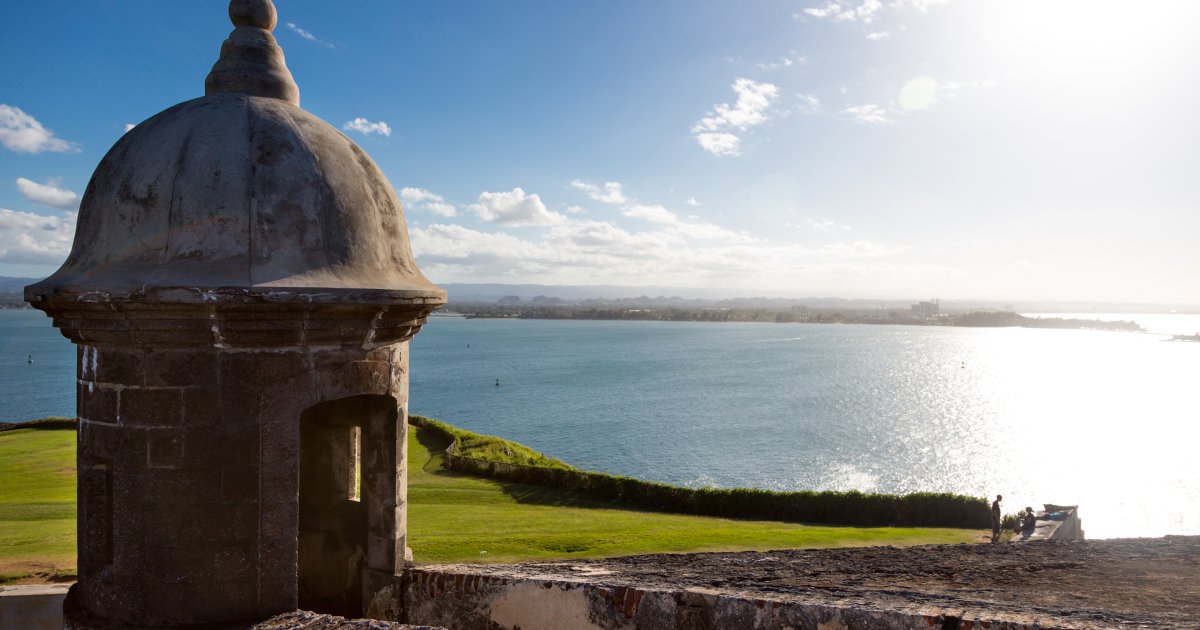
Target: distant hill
461	293
12	290
644	295
15	285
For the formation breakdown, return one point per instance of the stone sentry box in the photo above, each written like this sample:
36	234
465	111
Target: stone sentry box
241	292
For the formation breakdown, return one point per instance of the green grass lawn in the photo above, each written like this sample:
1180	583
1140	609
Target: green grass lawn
37	504
451	517
457	518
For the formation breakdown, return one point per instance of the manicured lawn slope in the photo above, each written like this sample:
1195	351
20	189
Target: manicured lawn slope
37	504
455	518
451	517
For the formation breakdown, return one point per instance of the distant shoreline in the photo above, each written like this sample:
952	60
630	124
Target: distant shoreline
1001	319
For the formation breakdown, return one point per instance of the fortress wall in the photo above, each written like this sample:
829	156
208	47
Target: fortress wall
37	607
467	601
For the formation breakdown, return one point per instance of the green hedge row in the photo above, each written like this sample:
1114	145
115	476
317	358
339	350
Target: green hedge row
927	509
44	423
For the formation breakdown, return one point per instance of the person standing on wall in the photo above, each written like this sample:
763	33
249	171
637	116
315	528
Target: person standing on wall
996	518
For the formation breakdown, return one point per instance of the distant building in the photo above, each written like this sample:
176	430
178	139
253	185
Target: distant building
928	309
509	299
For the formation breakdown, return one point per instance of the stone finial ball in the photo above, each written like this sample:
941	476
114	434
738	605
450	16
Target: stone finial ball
257	13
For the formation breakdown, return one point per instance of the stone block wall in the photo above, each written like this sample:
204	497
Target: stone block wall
189	469
466	601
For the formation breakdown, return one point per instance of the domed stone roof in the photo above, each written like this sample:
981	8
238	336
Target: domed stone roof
240	191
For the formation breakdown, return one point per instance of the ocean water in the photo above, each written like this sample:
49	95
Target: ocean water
37	368
1101	419
1105	420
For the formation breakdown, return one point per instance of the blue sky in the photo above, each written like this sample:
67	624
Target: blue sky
973	149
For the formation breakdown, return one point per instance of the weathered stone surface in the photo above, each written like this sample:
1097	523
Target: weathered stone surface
33	607
242	292
231	190
251	61
201	479
303	620
76	618
1140	583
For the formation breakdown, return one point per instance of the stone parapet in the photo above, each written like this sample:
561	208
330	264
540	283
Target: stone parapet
304	620
32	607
479	602
1041	584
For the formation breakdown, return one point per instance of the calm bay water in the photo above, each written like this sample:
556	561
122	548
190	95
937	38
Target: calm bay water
45	387
1105	420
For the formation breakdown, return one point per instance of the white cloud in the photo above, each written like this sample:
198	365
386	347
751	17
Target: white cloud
514	208
308	35
603	234
864	11
129	127
754	98
301	32
575	252
611	192
847	10
29	238
919	5
454	243
809	104
871	114
709	231
856	249
783	62
924	92
657	243
693	229
820	226
421	199
366	127
442	209
720	143
48	194
829	10
591	252
878	35
418	195
22	133
714	131
655	213
920	93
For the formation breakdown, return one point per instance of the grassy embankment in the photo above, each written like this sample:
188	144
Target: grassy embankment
499	459
453	517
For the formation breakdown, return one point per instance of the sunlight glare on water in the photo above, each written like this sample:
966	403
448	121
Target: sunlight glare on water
1104	417
1100	419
